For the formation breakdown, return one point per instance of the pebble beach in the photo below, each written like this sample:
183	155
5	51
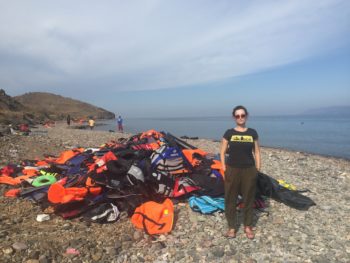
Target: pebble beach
284	234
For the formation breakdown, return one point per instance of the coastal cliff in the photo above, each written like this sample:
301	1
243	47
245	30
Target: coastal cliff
38	107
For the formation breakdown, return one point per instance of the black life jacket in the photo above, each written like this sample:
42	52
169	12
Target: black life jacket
270	187
211	183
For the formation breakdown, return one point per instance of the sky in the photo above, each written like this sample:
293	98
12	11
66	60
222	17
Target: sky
180	58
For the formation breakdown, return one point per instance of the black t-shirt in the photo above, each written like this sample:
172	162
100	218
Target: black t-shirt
240	147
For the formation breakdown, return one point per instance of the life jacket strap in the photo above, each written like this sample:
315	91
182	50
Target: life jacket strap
151	220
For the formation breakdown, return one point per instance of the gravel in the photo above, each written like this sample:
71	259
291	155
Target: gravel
320	234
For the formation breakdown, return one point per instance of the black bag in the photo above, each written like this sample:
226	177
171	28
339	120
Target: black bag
270	187
102	213
162	183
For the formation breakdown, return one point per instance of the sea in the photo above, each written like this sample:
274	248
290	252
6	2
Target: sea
323	135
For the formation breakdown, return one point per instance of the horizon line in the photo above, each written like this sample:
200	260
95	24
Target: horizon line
229	116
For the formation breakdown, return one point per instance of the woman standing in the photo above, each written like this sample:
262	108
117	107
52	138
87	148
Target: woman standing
241	166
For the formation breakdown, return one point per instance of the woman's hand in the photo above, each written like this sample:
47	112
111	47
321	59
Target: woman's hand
257	155
223	149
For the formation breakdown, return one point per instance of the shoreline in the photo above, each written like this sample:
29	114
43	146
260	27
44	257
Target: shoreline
101	123
77	127
282	235
200	142
283	150
263	146
308	153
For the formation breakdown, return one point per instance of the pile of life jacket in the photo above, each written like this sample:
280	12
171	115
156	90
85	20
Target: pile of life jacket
139	175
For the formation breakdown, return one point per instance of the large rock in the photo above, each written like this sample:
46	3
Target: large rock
7	103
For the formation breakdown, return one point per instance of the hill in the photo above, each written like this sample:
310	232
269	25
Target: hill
58	107
36	107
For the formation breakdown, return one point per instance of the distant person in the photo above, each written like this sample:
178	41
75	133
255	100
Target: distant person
120	124
68	120
241	167
91	123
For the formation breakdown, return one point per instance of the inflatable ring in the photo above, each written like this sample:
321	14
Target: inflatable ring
44	180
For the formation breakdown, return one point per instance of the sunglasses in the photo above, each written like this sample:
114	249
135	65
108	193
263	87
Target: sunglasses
242	116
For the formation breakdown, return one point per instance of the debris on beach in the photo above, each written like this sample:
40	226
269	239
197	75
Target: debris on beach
131	176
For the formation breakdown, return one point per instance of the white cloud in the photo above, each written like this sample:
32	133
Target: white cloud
160	44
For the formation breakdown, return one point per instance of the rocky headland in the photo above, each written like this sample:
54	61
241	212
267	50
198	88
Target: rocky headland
39	107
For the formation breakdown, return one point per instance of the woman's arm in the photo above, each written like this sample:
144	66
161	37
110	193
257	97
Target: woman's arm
257	155
224	144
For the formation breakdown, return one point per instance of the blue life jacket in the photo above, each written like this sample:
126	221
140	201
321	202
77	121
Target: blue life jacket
206	204
169	159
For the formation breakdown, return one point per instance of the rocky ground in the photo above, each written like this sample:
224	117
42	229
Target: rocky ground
321	234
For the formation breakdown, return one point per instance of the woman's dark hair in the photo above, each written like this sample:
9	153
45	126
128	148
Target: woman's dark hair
239	107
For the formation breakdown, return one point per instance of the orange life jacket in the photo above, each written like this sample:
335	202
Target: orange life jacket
217	165
101	163
151	133
189	155
13	181
66	155
91	185
8	180
41	163
58	194
154	218
12	193
146	146
30	171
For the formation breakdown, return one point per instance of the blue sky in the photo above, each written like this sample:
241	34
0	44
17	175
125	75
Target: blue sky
180	58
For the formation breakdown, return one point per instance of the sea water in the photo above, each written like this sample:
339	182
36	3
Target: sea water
313	134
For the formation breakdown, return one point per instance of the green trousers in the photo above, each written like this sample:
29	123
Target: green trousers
239	181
